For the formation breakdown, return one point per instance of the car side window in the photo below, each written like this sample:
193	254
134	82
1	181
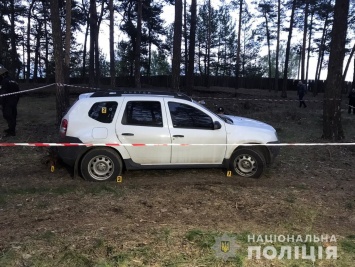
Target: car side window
103	111
186	116
143	113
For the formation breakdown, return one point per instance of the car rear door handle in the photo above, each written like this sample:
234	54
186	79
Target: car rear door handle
178	135
128	134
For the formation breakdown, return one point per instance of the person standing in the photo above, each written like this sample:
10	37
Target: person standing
9	102
301	91
352	101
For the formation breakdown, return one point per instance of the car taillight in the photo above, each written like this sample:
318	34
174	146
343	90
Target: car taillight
63	128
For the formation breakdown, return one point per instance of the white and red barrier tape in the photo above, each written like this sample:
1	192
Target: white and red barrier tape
46	86
140	145
264	99
197	97
28	90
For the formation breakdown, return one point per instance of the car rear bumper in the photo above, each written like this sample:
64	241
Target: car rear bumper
70	154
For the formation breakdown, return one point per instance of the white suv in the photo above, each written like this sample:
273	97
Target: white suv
159	130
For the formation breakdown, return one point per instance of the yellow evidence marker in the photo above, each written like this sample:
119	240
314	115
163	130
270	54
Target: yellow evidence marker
52	168
104	110
119	179
229	173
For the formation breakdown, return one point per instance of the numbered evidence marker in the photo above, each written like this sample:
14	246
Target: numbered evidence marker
119	179
52	168
103	110
229	173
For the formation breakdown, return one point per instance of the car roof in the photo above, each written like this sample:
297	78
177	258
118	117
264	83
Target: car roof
120	93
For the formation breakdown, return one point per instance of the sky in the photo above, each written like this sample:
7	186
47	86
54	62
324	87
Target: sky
168	16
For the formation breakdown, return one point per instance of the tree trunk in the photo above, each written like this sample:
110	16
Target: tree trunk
288	47
149	54
112	44
278	45
332	126
185	36
348	63
268	49
46	18
62	96
37	48
28	44
320	56
175	81
309	44
87	16
14	57
305	27
137	54
199	59
67	40
97	48
238	44
93	21
1	47
208	46
83	71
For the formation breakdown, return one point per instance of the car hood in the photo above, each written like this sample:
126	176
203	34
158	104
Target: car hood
246	122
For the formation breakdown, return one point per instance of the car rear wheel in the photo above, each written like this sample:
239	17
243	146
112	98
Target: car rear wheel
101	164
248	162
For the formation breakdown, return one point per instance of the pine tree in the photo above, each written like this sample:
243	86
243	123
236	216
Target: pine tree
332	126
175	81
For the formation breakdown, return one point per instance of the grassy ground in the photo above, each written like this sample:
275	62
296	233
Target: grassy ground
173	217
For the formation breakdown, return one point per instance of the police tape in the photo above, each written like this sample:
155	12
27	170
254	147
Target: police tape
28	90
164	145
49	85
266	99
196	97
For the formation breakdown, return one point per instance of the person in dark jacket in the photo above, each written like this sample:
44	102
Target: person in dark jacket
9	102
301	91
352	101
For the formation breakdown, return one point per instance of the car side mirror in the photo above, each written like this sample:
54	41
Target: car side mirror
217	125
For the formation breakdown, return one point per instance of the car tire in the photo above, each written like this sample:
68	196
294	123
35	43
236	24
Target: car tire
247	162
101	164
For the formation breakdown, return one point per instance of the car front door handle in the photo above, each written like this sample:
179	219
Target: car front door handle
128	134
178	135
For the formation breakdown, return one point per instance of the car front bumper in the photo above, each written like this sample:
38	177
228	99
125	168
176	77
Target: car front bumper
274	150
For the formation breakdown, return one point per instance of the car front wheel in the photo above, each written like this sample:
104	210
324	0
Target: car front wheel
101	164
248	162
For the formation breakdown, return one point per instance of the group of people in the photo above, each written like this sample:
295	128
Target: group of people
302	90
8	101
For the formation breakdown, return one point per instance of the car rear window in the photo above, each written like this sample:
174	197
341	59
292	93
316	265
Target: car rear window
103	111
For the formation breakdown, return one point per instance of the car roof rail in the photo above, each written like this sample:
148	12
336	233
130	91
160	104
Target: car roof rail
117	93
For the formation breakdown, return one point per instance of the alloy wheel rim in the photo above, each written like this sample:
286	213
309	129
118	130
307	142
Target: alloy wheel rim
101	167
245	165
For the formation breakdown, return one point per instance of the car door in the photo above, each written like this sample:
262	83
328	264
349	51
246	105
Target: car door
194	139
143	123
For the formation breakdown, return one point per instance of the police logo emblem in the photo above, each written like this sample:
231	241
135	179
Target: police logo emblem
225	247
